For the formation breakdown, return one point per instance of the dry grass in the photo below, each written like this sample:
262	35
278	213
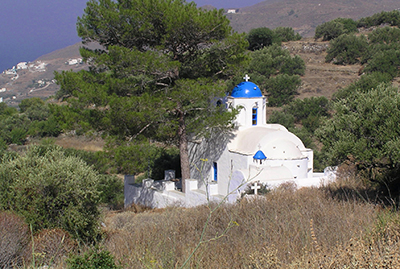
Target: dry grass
283	229
80	142
307	228
49	247
14	235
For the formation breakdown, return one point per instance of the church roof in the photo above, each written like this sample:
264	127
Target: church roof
259	155
275	143
246	89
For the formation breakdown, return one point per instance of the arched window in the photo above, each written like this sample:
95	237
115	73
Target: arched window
254	116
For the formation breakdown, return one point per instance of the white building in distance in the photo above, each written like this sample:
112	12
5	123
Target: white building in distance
22	65
74	61
226	164
232	11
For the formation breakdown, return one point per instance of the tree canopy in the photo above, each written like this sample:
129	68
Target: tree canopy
51	190
162	64
364	128
259	38
274	70
347	49
333	29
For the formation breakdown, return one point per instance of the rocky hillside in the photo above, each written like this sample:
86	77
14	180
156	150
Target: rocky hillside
320	79
305	15
35	79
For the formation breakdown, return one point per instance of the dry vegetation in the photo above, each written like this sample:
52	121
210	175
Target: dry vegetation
80	142
284	229
320	78
305	15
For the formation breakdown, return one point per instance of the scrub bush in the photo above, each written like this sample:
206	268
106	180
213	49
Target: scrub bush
52	190
347	49
93	259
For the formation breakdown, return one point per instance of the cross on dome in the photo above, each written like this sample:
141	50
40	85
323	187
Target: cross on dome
246	77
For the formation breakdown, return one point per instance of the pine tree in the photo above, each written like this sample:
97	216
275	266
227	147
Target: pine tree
161	66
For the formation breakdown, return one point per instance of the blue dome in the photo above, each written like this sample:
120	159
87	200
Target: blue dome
246	89
259	155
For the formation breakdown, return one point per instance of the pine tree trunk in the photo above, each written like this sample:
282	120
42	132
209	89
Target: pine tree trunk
183	150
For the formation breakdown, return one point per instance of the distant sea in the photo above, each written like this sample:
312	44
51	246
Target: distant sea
31	30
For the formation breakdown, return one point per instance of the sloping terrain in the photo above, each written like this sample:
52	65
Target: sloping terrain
37	79
305	15
320	79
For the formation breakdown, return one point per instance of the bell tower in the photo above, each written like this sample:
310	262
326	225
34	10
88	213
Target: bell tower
252	103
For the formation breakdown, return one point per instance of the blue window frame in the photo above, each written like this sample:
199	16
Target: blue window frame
215	169
254	116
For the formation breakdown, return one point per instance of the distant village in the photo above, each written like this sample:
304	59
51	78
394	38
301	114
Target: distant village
37	66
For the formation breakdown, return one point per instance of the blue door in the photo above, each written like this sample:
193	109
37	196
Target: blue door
215	171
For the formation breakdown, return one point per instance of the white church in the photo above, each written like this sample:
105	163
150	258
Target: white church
224	165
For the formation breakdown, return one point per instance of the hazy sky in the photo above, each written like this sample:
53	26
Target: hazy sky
32	28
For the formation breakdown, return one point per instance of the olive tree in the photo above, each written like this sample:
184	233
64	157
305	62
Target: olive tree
51	190
364	129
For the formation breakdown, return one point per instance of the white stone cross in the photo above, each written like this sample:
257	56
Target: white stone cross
255	187
246	77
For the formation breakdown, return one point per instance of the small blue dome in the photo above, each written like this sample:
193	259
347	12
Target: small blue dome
246	89
259	155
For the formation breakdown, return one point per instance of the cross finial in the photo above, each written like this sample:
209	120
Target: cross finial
255	187
246	77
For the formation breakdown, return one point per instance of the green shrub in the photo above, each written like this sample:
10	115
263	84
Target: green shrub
34	108
98	160
92	259
364	129
274	60
390	17
350	25
14	128
333	29
144	158
259	38
111	190
329	30
286	34
364	84
282	89
384	35
51	190
6	111
347	49
308	111
386	61
283	118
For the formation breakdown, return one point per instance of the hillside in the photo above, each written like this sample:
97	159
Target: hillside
305	15
36	80
320	79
